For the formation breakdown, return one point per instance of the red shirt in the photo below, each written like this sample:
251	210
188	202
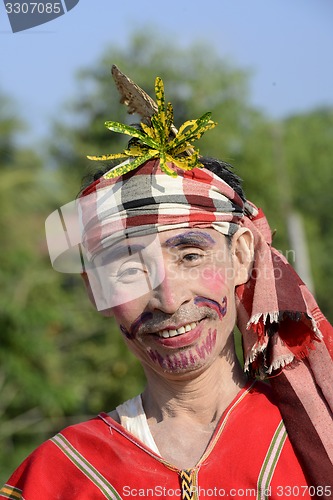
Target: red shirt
249	456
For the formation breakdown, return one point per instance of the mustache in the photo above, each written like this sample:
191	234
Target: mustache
201	308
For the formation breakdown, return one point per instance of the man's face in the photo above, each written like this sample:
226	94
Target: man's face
180	323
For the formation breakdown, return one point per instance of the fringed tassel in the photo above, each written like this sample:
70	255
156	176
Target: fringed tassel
272	351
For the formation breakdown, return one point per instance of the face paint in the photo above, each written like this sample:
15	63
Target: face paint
192	238
189	331
182	360
136	325
221	309
202	302
125	332
207	345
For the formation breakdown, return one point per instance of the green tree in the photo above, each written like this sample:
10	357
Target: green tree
308	147
29	361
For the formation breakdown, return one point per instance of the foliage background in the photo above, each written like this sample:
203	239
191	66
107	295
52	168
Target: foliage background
60	361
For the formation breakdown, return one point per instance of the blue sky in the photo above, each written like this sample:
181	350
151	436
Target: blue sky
286	43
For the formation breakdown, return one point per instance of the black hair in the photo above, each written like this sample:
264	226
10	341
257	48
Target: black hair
94	174
225	172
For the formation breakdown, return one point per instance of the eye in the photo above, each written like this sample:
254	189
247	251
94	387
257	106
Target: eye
131	274
190	257
193	257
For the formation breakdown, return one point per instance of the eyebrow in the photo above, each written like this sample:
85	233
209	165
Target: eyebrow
119	252
191	238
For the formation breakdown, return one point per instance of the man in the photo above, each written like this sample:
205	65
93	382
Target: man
168	245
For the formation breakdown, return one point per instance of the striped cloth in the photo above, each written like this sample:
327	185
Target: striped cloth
284	330
151	201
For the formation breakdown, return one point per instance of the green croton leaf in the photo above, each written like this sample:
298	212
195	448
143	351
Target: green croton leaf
159	141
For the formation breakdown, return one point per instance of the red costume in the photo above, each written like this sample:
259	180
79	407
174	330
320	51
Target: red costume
249	455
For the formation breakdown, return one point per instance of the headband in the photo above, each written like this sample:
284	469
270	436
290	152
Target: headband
151	201
141	204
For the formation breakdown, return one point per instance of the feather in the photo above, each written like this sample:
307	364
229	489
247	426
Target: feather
136	99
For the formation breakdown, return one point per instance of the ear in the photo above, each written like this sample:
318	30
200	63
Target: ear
104	312
242	249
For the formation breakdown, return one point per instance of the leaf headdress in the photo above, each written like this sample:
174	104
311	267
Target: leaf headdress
157	136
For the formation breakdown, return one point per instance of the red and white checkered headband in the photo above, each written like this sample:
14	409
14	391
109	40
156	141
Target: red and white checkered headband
150	201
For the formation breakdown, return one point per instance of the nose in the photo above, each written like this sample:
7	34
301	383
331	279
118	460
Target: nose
171	293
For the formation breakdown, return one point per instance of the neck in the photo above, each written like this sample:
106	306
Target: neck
200	397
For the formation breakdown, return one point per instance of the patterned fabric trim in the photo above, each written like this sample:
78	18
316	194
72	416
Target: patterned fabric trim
11	492
270	462
85	467
188	484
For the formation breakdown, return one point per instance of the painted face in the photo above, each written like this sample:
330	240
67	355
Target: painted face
183	323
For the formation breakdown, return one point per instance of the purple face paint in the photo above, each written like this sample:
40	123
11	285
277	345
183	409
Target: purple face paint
131	334
125	332
183	360
207	345
191	238
221	309
172	362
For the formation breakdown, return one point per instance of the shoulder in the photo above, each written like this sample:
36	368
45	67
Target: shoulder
262	393
262	390
82	461
255	434
253	417
258	398
50	464
114	415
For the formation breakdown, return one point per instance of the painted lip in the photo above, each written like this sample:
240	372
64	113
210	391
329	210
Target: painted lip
182	340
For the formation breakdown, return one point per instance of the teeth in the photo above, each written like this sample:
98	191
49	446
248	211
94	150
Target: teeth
172	333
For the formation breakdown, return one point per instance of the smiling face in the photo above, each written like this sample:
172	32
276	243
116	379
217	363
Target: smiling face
181	320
